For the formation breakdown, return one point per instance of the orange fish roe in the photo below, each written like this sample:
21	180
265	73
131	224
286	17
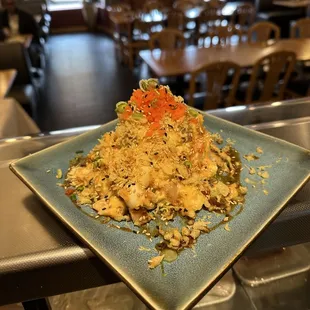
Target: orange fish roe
127	113
154	104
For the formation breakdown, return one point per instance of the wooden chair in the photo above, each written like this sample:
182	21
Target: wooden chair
262	32
141	28
167	39
277	68
301	29
218	4
120	7
152	5
121	30
137	40
183	5
175	19
220	36
244	16
218	92
209	17
189	24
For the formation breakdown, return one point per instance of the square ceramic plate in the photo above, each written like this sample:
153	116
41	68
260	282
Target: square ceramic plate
194	272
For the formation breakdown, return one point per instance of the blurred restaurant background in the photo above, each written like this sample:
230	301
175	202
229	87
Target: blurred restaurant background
64	64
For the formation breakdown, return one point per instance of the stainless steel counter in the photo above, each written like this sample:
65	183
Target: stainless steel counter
40	257
265	112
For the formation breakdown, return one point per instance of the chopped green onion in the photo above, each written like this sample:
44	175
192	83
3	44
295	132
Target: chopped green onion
137	116
170	255
146	85
96	163
152	83
59	174
73	197
143	84
193	112
79	151
80	188
188	164
120	107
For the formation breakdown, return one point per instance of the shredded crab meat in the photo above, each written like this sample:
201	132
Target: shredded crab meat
155	261
159	163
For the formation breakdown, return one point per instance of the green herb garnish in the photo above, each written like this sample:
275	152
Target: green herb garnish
193	112
188	164
121	106
80	188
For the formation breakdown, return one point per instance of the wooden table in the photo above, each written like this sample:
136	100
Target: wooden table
25	39
293	3
182	61
6	80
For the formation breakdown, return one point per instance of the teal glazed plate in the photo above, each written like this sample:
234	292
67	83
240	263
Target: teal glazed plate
181	284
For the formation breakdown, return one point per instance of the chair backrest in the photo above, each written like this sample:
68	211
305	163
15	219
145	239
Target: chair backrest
14	56
261	32
184	5
277	68
209	16
220	36
301	29
152	5
175	19
167	39
218	4
119	7
218	90
244	15
140	26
